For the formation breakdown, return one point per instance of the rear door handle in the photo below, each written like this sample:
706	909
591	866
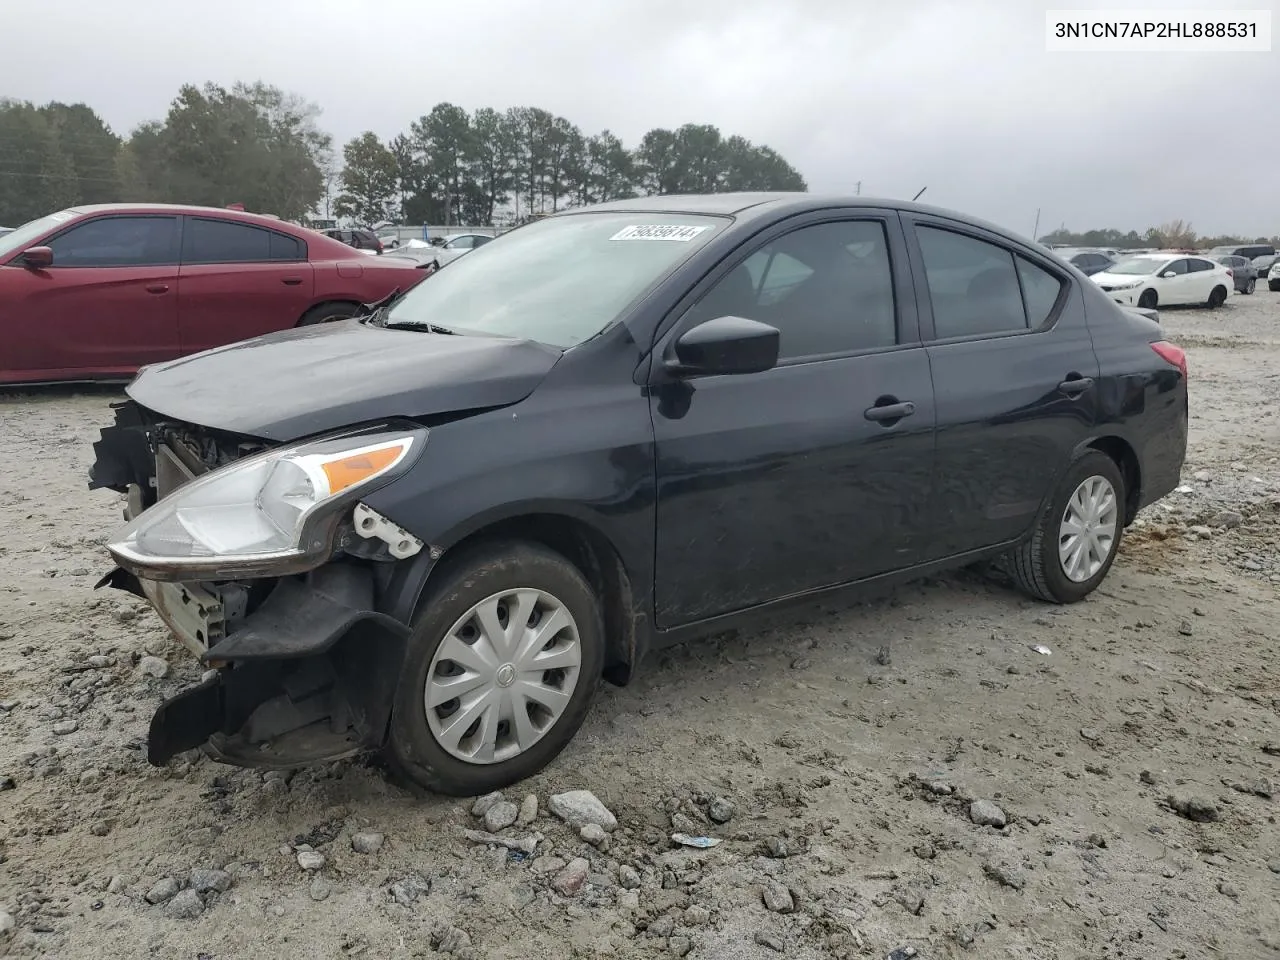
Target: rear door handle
1075	386
890	411
291	281
157	288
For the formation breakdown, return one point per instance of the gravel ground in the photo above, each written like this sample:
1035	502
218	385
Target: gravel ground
953	770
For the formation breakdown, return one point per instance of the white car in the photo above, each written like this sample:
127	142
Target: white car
1273	277
1164	279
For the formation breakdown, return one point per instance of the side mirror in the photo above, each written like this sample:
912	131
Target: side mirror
1168	274
725	345
37	257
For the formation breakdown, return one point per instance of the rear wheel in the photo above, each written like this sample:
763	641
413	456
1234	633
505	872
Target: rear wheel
1076	535
1251	284
1217	298
500	672
1273	285
328	313
1148	300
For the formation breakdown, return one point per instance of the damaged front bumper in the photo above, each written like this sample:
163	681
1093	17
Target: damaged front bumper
305	665
307	677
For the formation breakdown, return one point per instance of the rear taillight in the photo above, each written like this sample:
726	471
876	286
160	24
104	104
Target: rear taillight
1172	353
1231	273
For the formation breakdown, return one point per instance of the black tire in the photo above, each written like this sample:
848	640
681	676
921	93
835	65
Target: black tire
1273	286
1034	564
1251	284
1148	300
469	578
328	313
1217	297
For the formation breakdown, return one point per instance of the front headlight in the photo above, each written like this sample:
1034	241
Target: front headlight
267	515
1128	285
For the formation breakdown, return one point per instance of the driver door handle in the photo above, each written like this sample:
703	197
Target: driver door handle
890	411
1075	386
157	288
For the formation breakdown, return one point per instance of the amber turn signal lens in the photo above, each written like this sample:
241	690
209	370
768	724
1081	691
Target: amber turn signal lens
349	471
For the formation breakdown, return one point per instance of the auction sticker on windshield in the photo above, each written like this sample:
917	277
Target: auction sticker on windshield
658	232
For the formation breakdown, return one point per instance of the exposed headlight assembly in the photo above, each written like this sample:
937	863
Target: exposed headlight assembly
270	514
1128	285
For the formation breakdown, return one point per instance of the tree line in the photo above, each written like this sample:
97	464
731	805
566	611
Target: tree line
452	166
250	143
261	146
1174	235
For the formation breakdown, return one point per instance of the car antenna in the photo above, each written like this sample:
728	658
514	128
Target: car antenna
917	196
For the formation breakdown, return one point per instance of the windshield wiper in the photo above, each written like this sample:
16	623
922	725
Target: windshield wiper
429	327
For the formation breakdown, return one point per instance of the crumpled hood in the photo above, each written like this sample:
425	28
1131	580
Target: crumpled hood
312	379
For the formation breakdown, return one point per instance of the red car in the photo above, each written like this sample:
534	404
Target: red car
95	292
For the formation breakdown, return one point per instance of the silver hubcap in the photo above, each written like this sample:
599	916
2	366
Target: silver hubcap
1088	531
503	675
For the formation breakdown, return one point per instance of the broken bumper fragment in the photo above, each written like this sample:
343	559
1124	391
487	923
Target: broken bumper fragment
307	677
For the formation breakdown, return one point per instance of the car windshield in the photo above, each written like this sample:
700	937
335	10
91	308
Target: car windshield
21	237
558	281
1139	266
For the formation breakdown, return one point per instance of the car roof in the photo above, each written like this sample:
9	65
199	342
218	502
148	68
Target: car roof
183	208
780	204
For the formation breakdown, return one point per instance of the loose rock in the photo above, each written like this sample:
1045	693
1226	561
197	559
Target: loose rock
580	807
367	843
310	860
210	881
407	891
320	890
187	905
482	804
778	898
528	810
500	816
163	890
720	810
64	727
778	848
766	939
7	923
153	667
697	916
987	814
593	833
570	880
680	946
1004	875
629	877
1194	808
451	940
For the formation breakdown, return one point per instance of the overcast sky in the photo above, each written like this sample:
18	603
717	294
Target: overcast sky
960	96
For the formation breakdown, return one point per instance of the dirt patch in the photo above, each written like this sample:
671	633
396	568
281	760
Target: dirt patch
848	759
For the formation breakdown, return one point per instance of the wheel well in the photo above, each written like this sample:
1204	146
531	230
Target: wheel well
1120	451
325	303
592	553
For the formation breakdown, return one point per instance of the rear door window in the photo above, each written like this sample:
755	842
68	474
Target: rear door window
973	285
207	240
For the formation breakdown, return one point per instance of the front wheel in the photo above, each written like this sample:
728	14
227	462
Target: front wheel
1273	285
1148	300
1076	535
1251	284
501	670
1216	298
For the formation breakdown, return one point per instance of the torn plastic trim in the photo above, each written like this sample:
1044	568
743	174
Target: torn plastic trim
309	676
